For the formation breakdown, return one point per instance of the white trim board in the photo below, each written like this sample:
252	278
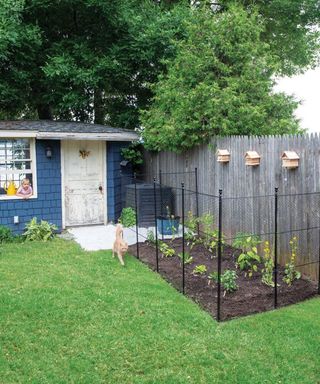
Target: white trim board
88	136
119	136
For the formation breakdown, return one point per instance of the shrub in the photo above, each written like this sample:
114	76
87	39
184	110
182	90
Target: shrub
42	231
133	153
128	217
6	235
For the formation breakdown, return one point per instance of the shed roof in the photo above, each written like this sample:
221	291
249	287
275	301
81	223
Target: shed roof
48	129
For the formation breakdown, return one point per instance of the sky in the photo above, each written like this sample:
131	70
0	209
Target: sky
306	88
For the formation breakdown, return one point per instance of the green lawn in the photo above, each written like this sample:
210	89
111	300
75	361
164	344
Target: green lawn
69	316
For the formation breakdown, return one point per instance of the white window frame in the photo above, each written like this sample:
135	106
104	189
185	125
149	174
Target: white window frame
33	169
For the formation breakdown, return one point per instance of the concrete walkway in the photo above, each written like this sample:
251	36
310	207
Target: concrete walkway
96	237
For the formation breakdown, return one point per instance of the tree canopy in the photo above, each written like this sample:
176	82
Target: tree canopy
88	60
220	83
101	61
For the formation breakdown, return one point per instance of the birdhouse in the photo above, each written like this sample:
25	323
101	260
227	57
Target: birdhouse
223	156
290	159
252	158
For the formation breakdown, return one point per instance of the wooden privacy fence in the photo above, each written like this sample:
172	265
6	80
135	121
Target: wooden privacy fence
249	190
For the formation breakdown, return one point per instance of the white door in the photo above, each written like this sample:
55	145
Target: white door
84	182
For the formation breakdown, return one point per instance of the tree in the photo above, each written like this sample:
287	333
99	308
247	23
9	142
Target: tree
291	29
18	44
220	83
84	60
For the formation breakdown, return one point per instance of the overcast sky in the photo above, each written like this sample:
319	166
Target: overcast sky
305	87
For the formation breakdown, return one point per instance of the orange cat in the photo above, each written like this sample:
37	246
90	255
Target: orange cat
120	247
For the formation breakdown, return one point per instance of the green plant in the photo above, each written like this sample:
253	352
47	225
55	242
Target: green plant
267	270
133	153
213	276
249	259
166	250
207	221
188	259
42	231
174	231
290	272
199	270
214	242
127	217
191	222
191	226
228	280
6	235
150	237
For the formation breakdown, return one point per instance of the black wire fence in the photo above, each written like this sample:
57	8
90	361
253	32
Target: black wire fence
232	255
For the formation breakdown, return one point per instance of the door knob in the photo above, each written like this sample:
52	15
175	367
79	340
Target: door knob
100	188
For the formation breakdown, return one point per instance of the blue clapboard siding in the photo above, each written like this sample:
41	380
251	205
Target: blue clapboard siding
47	206
114	179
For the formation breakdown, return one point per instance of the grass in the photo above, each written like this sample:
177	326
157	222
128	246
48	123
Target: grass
70	316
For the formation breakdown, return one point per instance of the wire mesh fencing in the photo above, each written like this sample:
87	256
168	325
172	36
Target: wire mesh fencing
232	255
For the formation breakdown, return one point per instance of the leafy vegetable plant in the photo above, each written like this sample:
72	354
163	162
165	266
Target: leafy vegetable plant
290	272
249	259
191	225
150	237
228	280
39	231
188	259
199	270
166	250
214	241
207	221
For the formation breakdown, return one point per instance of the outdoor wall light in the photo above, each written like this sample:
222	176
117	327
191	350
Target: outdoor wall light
48	152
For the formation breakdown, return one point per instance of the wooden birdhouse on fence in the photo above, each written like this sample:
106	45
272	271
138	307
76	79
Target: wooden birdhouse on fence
290	159
252	158
223	156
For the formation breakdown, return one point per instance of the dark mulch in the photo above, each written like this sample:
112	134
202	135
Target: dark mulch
252	296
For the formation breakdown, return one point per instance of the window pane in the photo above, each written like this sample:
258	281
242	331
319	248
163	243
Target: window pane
15	160
16	178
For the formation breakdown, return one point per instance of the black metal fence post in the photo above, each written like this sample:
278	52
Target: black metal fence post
136	210
275	268
219	255
197	199
155	222
182	211
161	202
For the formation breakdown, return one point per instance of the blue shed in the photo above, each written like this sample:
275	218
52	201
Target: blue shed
74	170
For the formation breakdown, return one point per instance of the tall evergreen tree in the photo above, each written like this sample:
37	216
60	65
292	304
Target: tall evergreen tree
220	83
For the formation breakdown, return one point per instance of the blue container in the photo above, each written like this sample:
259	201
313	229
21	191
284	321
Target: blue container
168	226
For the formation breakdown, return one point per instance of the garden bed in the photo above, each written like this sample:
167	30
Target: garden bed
252	296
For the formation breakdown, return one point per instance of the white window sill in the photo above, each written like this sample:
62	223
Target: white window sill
6	197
